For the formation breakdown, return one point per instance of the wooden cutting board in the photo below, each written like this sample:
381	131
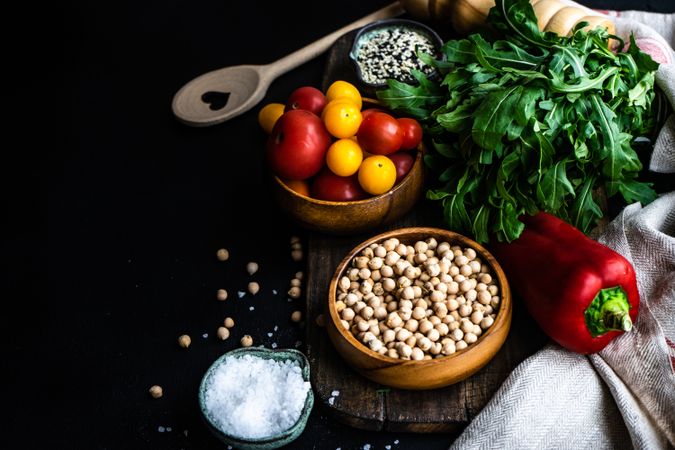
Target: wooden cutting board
356	401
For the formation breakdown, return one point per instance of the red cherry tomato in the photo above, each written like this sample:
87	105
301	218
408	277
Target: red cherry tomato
380	134
296	149
308	98
412	133
403	161
366	112
328	186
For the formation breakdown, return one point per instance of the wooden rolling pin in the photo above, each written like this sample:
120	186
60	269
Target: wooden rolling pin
466	16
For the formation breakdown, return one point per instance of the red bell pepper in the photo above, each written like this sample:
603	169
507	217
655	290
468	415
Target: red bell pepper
581	293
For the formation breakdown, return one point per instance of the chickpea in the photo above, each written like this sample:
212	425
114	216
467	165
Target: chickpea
296	316
494	302
465	310
253	287
411	325
461	260
228	322
461	345
466	326
405	313
470	338
394	320
405	282
405	351
433	334
418	313
425	326
465	270
448	348
223	254
375	275
221	295
476	317
392	353
453	287
408	293
392	258
156	391
223	333
437	296
493	289
453	304
348	314
424	343
457	335
375	345
388	336
246	341
419	258
486	322
470	295
484	297
386	272
411	341
344	283
294	292
353	274
184	340
436	348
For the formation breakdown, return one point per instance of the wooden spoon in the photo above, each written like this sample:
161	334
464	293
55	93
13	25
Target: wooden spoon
225	93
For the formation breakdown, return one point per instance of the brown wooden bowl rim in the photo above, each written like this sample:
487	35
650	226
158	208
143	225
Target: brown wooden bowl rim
450	237
419	154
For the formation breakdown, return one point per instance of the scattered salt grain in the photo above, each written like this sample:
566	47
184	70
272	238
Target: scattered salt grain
251	397
396	442
366	447
185	432
269	334
387	447
168	429
331	401
274	291
205	335
161	429
335	393
240	294
298	343
276	327
251	308
274	345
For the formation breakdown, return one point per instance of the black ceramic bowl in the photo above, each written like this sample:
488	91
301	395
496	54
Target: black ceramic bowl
384	52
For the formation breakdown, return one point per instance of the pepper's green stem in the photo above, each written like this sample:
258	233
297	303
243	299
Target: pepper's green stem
608	312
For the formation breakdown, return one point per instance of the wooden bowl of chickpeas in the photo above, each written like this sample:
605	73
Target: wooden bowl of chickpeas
418	308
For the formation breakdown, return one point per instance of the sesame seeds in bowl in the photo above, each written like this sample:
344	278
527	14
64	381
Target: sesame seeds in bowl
387	49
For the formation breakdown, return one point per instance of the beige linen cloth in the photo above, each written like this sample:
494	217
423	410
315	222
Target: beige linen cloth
623	396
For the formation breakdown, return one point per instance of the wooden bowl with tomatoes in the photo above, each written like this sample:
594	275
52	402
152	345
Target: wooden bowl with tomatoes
310	202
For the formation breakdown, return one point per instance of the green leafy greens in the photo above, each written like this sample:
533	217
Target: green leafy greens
533	121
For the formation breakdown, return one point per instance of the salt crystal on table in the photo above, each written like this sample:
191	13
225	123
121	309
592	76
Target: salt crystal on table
251	308
335	393
366	447
161	429
252	397
205	335
269	334
276	327
331	401
274	345
387	447
241	293
168	429
396	441
274	291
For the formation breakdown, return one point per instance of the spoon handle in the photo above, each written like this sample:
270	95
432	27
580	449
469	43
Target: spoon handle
311	51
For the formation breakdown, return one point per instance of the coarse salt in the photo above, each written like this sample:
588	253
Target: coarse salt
251	397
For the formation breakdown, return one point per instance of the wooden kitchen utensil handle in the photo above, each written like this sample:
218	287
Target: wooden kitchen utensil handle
316	48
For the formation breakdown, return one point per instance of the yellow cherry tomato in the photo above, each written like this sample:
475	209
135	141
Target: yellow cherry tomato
377	174
268	115
344	89
344	157
342	118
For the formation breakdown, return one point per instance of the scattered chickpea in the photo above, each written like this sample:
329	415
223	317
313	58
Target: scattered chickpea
252	268
221	295
296	316
299	275
222	254
228	322
295	282
223	333
296	255
246	341
294	292
184	340
253	287
156	391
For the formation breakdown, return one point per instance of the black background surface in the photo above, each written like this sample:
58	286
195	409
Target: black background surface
133	209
